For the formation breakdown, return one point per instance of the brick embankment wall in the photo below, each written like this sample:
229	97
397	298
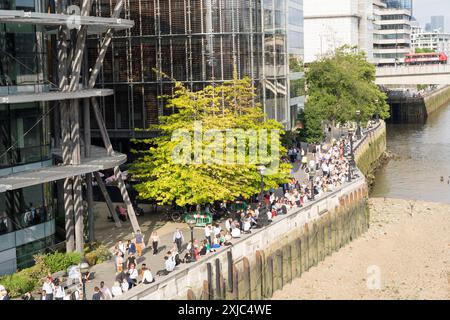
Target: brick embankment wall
258	265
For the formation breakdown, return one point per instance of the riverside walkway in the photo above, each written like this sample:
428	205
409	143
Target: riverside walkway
106	271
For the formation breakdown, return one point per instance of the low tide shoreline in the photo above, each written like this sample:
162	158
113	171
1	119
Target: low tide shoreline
408	243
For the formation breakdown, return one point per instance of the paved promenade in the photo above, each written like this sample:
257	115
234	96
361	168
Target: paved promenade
109	236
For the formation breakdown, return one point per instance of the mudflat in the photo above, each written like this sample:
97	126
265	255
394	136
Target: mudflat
404	255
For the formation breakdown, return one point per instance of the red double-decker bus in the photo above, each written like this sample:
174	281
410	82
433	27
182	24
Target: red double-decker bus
426	58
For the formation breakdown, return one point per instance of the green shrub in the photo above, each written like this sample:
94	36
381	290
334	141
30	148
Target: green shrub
19	283
40	268
61	261
97	255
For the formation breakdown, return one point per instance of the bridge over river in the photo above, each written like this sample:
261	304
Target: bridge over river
412	75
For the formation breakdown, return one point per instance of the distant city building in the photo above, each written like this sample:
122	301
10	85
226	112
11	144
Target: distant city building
332	24
437	23
435	41
392	31
428	27
200	43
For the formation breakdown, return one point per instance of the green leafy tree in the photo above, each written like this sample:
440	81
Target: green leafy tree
339	85
190	182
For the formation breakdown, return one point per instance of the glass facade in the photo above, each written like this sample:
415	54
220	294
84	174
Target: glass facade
296	58
26	215
19	127
399	4
22	53
198	42
24	208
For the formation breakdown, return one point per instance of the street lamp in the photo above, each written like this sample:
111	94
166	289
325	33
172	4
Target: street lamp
84	267
191	222
312	174
262	171
377	116
358	120
351	157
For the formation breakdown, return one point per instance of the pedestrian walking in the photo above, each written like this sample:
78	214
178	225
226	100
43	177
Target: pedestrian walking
178	238
58	292
155	241
48	288
228	224
131	247
106	293
97	295
139	240
119	262
131	260
208	231
122	247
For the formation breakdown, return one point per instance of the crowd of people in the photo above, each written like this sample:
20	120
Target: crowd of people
324	170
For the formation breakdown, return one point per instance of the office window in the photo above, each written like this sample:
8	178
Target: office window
295	17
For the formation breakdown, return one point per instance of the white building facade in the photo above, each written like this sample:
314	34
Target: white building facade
436	41
332	24
392	32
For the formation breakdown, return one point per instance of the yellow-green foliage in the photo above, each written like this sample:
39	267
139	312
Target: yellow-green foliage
222	107
99	254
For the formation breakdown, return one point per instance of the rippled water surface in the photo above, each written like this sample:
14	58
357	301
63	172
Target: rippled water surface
423	157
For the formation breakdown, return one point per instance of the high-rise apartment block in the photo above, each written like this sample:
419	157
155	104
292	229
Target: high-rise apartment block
392	31
332	24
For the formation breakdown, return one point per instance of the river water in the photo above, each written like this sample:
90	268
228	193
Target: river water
423	156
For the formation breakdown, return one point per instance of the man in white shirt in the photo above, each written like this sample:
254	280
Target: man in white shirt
236	233
59	293
106	293
124	285
228	224
147	277
208	231
178	238
48	289
116	290
170	263
217	229
133	275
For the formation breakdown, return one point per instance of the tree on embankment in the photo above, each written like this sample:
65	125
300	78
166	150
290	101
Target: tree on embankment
338	85
195	159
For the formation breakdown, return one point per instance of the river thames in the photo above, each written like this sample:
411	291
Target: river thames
422	158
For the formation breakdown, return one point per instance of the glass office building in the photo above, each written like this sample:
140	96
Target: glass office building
198	42
26	214
296	58
42	160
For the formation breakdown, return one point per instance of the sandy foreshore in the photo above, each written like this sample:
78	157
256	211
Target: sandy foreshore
408	244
